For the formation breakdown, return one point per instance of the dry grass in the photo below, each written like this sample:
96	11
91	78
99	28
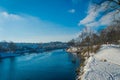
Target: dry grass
90	49
84	53
96	48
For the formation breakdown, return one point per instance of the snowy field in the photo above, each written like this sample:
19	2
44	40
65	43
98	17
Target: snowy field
105	65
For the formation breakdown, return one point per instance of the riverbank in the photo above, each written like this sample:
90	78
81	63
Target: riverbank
104	65
10	49
6	55
18	53
58	64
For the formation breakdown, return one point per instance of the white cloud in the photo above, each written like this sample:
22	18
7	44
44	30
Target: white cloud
92	24
89	18
25	28
94	11
72	11
106	19
91	15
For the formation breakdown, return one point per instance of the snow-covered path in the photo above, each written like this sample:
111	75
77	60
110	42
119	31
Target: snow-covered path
111	55
105	65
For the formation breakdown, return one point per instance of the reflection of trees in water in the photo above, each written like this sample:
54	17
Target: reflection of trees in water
0	60
73	58
1	67
12	68
7	67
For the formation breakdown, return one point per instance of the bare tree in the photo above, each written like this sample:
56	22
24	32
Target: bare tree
114	7
12	47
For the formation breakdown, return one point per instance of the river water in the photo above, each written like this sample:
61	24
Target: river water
54	65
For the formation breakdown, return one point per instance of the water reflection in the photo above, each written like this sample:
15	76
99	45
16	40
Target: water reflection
55	65
1	69
12	68
74	58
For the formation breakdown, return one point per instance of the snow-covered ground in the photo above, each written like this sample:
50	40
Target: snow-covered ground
72	50
105	65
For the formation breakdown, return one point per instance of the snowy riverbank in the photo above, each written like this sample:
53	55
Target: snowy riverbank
104	65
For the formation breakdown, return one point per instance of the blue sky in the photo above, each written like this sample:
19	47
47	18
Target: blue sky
43	20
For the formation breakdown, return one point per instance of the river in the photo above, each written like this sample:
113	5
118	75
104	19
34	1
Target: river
54	65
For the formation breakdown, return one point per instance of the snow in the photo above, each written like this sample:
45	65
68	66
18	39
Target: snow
72	50
111	55
105	65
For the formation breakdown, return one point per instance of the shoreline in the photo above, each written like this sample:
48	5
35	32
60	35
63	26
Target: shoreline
91	65
86	61
15	54
79	70
7	55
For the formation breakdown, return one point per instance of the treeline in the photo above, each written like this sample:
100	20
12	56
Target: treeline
89	41
11	47
109	35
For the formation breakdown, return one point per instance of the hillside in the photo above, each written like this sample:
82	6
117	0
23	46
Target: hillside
104	65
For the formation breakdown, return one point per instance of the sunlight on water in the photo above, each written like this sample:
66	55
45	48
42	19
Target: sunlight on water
54	65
